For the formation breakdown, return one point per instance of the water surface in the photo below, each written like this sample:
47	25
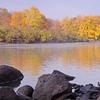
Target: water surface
81	60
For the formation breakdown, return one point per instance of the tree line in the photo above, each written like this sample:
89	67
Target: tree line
31	26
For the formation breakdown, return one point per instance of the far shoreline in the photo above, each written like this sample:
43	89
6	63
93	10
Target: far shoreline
47	45
3	43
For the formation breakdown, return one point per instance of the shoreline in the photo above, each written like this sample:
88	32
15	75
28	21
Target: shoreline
47	45
52	86
49	42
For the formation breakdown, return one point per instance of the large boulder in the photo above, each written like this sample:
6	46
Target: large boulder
20	97
10	76
7	93
53	86
25	91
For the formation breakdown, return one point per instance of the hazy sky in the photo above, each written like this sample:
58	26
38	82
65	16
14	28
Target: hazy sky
56	9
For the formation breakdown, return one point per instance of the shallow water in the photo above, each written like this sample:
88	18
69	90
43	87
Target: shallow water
81	60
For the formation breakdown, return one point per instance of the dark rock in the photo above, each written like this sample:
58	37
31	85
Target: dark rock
25	91
87	96
7	93
84	97
20	97
87	92
53	86
68	77
10	76
86	88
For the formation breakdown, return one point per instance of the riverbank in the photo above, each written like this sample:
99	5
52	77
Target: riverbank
38	45
52	86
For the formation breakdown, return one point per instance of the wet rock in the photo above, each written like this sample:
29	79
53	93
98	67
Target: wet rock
53	86
25	91
10	76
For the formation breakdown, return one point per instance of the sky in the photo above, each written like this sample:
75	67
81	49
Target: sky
55	9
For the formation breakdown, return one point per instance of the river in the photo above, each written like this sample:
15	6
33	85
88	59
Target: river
81	60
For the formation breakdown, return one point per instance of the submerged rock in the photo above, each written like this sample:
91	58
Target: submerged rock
10	76
53	86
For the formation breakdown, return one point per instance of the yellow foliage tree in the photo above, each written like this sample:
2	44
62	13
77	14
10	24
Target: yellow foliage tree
70	27
88	28
34	18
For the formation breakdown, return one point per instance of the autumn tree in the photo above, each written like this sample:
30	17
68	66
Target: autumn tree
5	17
34	18
55	30
70	28
18	19
31	25
89	28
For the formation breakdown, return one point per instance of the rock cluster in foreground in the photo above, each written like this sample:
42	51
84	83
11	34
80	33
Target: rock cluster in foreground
54	86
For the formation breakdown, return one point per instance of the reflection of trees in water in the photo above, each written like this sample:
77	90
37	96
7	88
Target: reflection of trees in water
32	60
84	56
29	60
25	60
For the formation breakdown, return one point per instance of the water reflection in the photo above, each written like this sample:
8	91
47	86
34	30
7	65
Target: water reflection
83	57
77	59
